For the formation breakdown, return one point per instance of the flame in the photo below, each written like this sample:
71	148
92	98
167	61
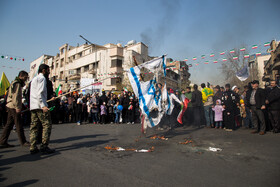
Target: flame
186	141
156	137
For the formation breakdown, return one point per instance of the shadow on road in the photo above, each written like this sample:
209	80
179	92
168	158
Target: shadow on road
84	144
63	140
175	132
24	183
7	151
25	158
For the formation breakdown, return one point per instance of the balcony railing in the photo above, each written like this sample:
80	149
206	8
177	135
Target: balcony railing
92	71
76	76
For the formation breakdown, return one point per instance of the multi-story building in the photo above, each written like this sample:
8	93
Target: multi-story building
256	64
272	66
75	67
177	74
34	65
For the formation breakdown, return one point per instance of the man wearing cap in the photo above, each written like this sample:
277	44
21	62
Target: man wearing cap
256	101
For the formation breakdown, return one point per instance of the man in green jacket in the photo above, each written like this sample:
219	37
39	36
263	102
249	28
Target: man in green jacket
14	106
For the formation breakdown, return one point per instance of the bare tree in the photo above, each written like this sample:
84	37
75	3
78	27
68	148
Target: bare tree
232	66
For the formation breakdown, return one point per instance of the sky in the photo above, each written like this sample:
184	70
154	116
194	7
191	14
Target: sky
179	28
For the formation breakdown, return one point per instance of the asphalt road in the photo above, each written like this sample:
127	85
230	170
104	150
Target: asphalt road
82	160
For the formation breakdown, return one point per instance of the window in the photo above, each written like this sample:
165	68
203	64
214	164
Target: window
62	51
113	81
56	65
116	63
86	68
80	54
73	57
61	75
95	65
71	72
79	70
61	62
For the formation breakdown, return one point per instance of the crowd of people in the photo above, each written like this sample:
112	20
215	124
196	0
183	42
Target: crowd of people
228	108
107	108
213	107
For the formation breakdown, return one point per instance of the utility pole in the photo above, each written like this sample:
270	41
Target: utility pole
95	49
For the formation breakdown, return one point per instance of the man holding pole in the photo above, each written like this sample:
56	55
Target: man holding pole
39	111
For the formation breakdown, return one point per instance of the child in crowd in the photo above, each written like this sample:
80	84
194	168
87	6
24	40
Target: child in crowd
117	112
218	109
243	113
103	113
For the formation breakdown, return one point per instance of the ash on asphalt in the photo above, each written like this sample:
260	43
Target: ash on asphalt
81	158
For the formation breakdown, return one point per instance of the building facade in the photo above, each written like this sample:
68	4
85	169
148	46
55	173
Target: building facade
256	65
101	66
272	66
34	65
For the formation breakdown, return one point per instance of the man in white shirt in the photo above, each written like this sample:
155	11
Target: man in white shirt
39	111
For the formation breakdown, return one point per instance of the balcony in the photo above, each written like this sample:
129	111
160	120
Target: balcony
76	76
92	71
116	69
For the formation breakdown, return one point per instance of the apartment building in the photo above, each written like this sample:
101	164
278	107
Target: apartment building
100	65
272	66
257	64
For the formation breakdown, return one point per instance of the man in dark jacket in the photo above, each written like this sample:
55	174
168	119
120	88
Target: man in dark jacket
218	94
103	98
198	111
256	101
273	102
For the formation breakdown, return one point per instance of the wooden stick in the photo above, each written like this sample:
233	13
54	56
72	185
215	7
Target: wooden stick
76	89
134	58
52	99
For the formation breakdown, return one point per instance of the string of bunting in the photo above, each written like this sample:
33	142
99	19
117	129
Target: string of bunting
11	57
223	59
10	67
114	76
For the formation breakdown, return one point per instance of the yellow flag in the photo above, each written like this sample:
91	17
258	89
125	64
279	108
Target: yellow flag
4	84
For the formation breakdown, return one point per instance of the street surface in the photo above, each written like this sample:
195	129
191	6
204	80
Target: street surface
82	160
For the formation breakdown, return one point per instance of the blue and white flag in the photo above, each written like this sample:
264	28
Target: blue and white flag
149	99
243	74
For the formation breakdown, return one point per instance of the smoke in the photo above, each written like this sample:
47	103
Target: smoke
155	36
